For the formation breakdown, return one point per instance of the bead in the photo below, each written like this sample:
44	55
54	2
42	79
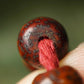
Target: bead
64	75
34	31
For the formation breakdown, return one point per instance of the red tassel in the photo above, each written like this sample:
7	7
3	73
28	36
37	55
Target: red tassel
47	54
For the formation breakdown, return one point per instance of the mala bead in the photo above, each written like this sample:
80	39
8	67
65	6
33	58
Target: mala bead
36	30
64	75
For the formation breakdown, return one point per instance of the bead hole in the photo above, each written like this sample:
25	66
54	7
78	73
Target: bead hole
42	37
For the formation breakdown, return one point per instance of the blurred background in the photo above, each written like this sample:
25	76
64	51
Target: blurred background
15	13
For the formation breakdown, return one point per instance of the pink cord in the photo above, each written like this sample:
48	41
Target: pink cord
47	54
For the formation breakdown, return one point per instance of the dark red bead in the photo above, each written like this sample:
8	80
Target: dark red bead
34	31
64	75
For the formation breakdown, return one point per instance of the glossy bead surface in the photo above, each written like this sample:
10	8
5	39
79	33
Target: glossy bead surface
34	31
64	75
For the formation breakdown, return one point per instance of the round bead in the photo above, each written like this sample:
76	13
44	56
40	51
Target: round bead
63	75
36	30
